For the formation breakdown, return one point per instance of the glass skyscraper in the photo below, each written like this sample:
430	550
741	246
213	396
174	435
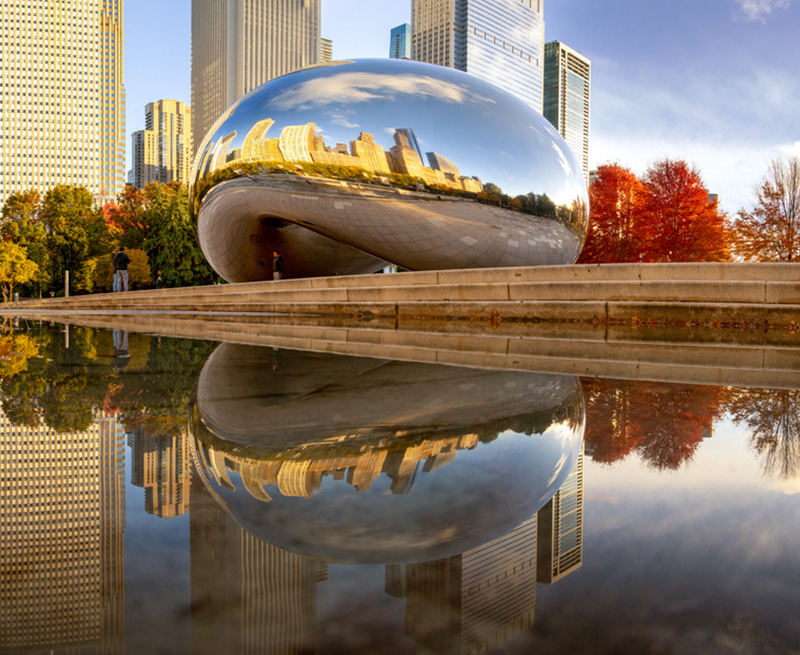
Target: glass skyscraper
567	77
400	46
500	41
62	102
237	45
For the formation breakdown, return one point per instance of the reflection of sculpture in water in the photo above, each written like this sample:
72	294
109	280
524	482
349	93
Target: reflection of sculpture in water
370	460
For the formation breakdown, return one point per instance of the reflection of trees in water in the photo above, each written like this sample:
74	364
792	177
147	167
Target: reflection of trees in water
773	417
41	379
663	423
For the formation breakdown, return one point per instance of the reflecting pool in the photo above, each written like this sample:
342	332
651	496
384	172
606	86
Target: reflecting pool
165	495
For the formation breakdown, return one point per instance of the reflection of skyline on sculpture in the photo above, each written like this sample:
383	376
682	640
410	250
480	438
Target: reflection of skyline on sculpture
300	143
352	164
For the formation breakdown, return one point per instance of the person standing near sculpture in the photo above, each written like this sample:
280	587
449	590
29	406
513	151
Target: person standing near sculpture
277	265
121	261
113	271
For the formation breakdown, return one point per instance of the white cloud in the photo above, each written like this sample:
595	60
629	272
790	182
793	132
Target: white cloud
758	10
717	127
357	87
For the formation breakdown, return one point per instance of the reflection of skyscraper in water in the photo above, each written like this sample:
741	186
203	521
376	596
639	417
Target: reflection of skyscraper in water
160	464
561	529
247	595
471	602
62	512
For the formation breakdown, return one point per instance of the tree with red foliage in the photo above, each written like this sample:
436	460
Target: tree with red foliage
681	223
617	199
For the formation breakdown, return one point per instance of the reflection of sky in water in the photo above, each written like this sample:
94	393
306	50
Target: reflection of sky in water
468	121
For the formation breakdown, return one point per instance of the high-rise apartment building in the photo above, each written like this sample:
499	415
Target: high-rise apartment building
400	45
62	102
326	50
500	41
567	76
162	152
237	45
62	512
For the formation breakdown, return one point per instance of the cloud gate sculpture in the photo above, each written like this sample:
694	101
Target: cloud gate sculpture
348	166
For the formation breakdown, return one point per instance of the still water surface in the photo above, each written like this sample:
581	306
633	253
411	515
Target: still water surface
160	495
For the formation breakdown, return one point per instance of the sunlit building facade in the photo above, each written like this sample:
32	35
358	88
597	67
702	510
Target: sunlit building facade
326	50
567	78
62	512
238	45
162	152
500	41
62	100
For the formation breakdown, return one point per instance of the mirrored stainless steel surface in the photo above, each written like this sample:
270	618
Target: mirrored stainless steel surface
427	462
347	166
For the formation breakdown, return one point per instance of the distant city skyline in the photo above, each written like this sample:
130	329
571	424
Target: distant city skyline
664	84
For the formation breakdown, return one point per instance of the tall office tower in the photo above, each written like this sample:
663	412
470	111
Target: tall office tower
62	512
474	602
62	103
326	50
560	533
500	41
160	464
238	45
567	76
248	596
400	45
162	151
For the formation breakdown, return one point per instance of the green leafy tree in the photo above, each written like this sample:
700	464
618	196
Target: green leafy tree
170	241
76	233
15	267
21	223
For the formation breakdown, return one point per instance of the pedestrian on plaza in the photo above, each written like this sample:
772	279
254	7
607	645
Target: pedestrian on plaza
277	265
113	271
121	261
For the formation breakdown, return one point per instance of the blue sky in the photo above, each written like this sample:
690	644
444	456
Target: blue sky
715	82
